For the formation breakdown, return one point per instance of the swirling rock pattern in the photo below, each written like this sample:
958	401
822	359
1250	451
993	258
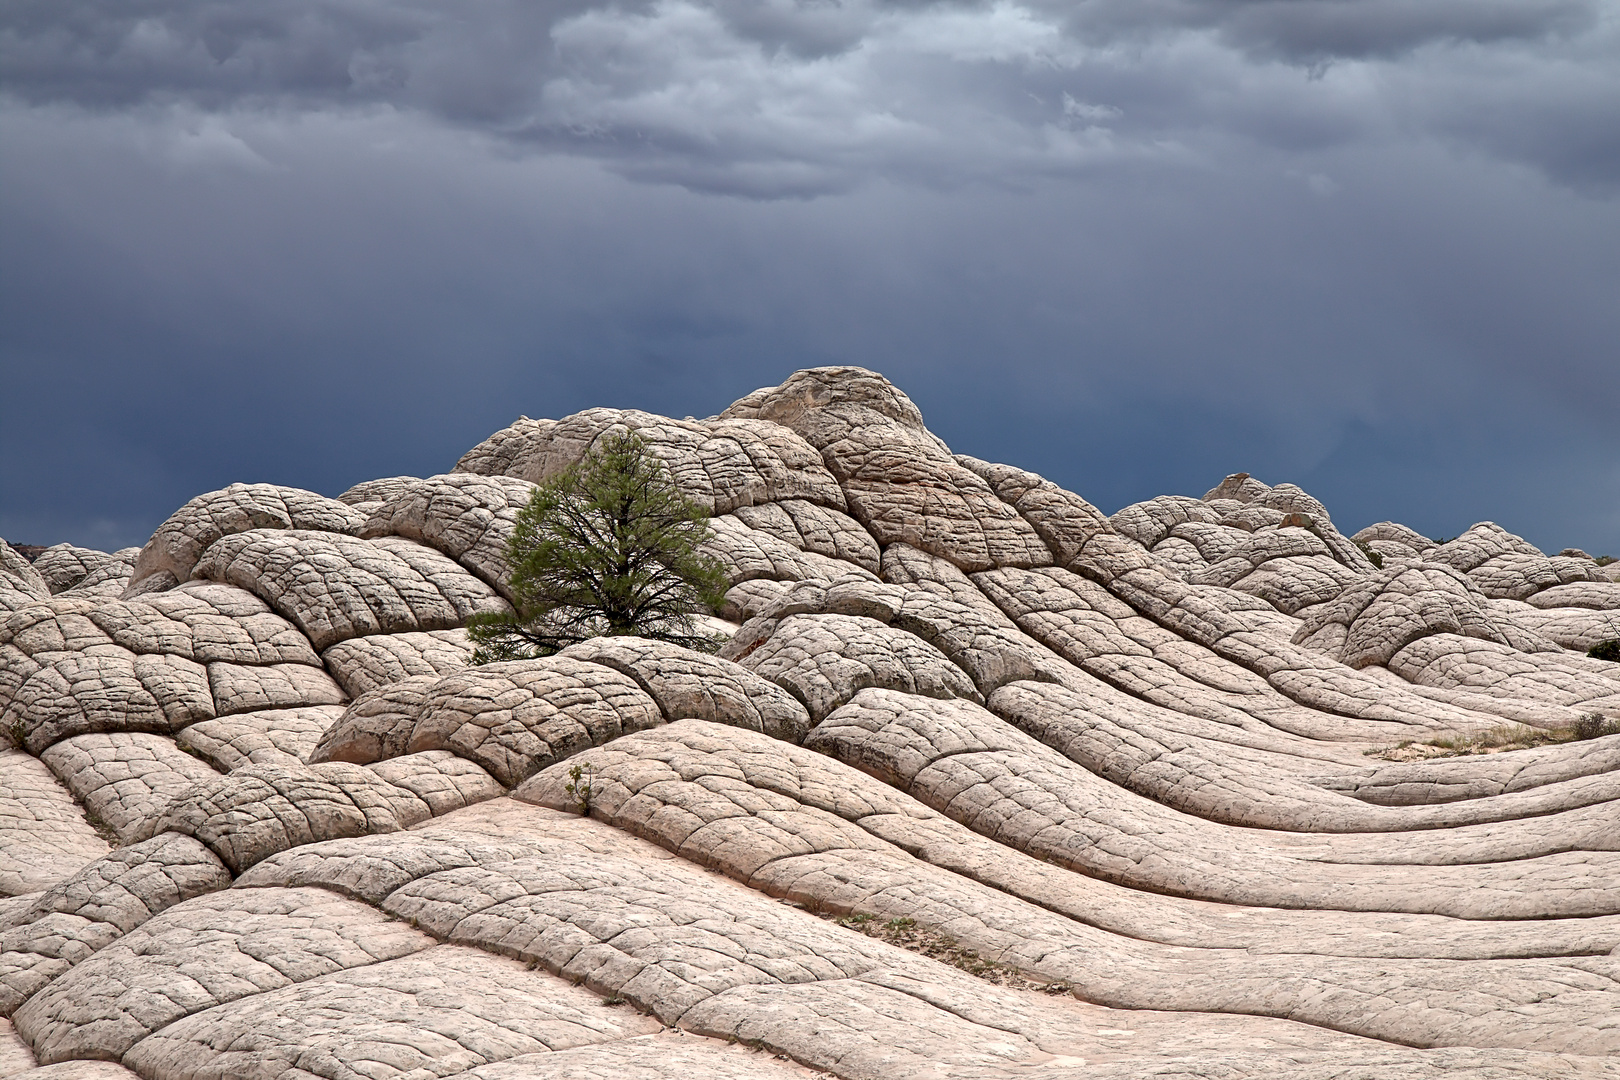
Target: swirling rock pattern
260	816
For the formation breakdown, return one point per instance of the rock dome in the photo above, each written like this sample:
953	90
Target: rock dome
986	784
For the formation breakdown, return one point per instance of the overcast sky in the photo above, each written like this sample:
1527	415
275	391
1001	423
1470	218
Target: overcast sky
1368	246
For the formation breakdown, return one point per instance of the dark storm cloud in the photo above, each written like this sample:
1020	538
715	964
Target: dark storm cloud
1314	31
1369	246
782	97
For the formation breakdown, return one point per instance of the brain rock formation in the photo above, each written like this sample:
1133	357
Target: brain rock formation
984	784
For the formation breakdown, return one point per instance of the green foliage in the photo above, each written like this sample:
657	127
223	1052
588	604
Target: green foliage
1372	556
609	547
1595	726
1604	560
581	786
1605	650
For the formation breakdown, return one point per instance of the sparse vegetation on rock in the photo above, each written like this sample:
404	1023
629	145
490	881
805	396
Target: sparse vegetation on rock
608	547
1499	739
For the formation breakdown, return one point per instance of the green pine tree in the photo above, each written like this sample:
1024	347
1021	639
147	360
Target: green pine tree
608	547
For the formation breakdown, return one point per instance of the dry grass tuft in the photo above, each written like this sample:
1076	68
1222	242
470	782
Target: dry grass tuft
907	934
1500	739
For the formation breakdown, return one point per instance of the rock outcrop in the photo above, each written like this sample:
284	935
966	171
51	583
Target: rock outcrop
970	739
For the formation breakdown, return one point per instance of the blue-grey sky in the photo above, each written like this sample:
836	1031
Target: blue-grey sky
1368	246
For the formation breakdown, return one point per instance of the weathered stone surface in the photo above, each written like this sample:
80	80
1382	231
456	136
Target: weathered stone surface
14	1053
81	1070
1597	595
1394	540
434	1013
486	834
663	937
377	725
125	779
201	622
442	780
336	587
810	527
238	689
721	464
369	494
746	554
466	516
1281	547
1114	1040
691	685
15	1057
669	1055
1267	782
848	595
1576	628
1376	617
943	607
1104	637
20	583
64	567
512	718
1245	503
124	888
749	598
33	954
365	663
1128	757
566	906
1150	522
1476	777
259	810
68	923
44	837
201	954
1505	566
206	622
1339	702
180	541
55	625
824	660
271	737
902	483
109	689
518	717
801	825
1448	661
1061	518
497	455
80	664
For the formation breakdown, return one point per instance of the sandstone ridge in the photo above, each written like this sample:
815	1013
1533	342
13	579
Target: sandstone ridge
970	739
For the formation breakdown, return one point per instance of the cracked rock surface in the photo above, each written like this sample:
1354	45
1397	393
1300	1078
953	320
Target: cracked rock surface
261	817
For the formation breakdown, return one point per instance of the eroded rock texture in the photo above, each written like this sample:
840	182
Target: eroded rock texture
261	817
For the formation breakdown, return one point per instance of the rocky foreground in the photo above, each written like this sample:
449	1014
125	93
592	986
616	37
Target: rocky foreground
986	784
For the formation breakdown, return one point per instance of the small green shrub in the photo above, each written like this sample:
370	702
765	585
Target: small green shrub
1604	560
1606	650
610	546
580	786
1372	556
1595	726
